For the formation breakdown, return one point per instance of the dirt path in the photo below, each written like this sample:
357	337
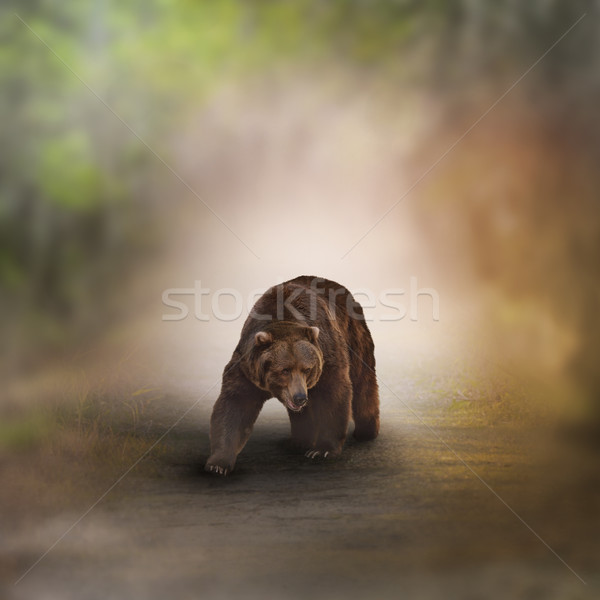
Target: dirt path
402	516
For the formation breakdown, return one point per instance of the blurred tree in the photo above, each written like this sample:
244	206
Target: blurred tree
81	198
518	199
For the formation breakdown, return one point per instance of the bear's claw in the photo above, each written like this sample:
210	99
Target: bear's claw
316	454
216	469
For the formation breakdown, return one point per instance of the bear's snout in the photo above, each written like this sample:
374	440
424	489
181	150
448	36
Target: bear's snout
300	400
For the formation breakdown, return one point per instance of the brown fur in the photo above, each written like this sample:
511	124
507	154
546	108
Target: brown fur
306	343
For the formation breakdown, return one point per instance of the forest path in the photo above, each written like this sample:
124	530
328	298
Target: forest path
409	514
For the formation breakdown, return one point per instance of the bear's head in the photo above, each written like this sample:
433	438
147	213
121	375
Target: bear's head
285	360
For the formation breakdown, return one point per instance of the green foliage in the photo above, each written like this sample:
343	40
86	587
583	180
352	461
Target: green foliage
78	193
25	432
68	175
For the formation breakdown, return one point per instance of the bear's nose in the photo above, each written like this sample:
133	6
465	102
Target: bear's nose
300	399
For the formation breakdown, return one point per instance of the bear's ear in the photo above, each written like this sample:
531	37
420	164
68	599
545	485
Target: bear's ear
262	338
313	334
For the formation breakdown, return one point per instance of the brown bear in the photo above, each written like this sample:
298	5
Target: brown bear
307	344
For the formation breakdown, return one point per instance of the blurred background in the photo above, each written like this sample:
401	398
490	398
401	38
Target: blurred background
148	145
240	143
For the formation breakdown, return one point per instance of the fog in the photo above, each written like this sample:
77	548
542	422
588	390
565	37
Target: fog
163	165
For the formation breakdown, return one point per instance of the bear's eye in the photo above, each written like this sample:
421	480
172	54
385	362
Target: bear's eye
306	371
285	371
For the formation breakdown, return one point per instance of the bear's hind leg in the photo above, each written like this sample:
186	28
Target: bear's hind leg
365	405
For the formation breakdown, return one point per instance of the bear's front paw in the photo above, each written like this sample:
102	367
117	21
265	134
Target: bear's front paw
219	463
312	454
217	469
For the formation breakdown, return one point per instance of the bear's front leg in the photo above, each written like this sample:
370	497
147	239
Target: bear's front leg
331	408
303	428
232	419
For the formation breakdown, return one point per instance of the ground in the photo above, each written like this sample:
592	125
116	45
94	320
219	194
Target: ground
444	504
